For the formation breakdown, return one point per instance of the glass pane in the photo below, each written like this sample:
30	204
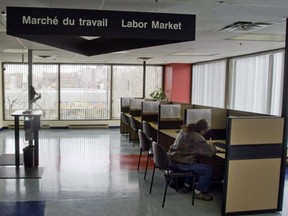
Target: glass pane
85	91
45	82
153	79
15	88
127	82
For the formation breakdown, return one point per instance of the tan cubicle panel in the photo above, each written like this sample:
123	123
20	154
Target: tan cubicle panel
253	164
218	118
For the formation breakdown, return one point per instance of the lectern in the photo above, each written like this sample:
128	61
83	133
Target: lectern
34	117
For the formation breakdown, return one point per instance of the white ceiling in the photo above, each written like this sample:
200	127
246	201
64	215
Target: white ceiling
209	44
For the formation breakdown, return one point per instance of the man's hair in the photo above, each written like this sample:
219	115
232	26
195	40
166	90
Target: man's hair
198	126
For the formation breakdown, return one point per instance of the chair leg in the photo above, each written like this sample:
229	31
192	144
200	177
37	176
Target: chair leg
193	189
130	134
164	197
134	138
146	165
152	179
139	159
176	188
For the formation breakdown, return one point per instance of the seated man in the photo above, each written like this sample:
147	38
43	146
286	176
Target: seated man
184	152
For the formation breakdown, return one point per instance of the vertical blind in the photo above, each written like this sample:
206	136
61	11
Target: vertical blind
256	83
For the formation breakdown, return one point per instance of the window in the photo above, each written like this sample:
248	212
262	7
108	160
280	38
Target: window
85	92
127	81
208	84
257	83
15	88
153	79
45	81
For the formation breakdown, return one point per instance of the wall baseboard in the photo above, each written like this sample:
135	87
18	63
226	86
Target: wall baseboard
92	126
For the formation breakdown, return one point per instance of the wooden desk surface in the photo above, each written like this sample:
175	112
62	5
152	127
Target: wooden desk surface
138	118
154	125
173	133
170	132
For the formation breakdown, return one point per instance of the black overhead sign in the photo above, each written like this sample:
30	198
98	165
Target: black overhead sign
116	30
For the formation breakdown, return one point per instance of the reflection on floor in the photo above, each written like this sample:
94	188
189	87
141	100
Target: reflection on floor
94	172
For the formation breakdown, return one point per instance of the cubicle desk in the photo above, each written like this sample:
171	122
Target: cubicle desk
149	117
124	129
254	176
168	126
154	125
138	119
168	137
253	165
135	112
35	114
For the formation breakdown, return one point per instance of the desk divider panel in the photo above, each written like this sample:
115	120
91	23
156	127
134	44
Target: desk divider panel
216	119
125	104
171	116
135	106
150	110
253	164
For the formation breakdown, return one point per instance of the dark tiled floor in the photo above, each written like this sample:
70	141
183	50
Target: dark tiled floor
93	172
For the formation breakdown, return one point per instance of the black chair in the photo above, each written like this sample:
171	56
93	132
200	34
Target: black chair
145	146
148	130
161	161
133	135
125	125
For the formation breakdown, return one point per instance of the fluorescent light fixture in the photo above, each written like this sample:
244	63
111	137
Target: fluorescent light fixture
259	37
15	50
194	54
119	52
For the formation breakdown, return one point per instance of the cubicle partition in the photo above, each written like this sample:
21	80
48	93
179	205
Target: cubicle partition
124	108
253	164
216	118
150	110
170	120
125	104
135	106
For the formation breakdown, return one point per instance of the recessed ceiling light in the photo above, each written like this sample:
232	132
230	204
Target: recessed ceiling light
144	58
45	57
89	37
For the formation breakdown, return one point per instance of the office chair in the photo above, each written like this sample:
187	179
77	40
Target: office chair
161	161
148	130
125	125
133	130
145	146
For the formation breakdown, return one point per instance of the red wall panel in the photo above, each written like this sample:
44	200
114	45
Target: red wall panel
177	82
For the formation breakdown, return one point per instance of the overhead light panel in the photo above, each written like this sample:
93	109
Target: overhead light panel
195	54
15	51
259	37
